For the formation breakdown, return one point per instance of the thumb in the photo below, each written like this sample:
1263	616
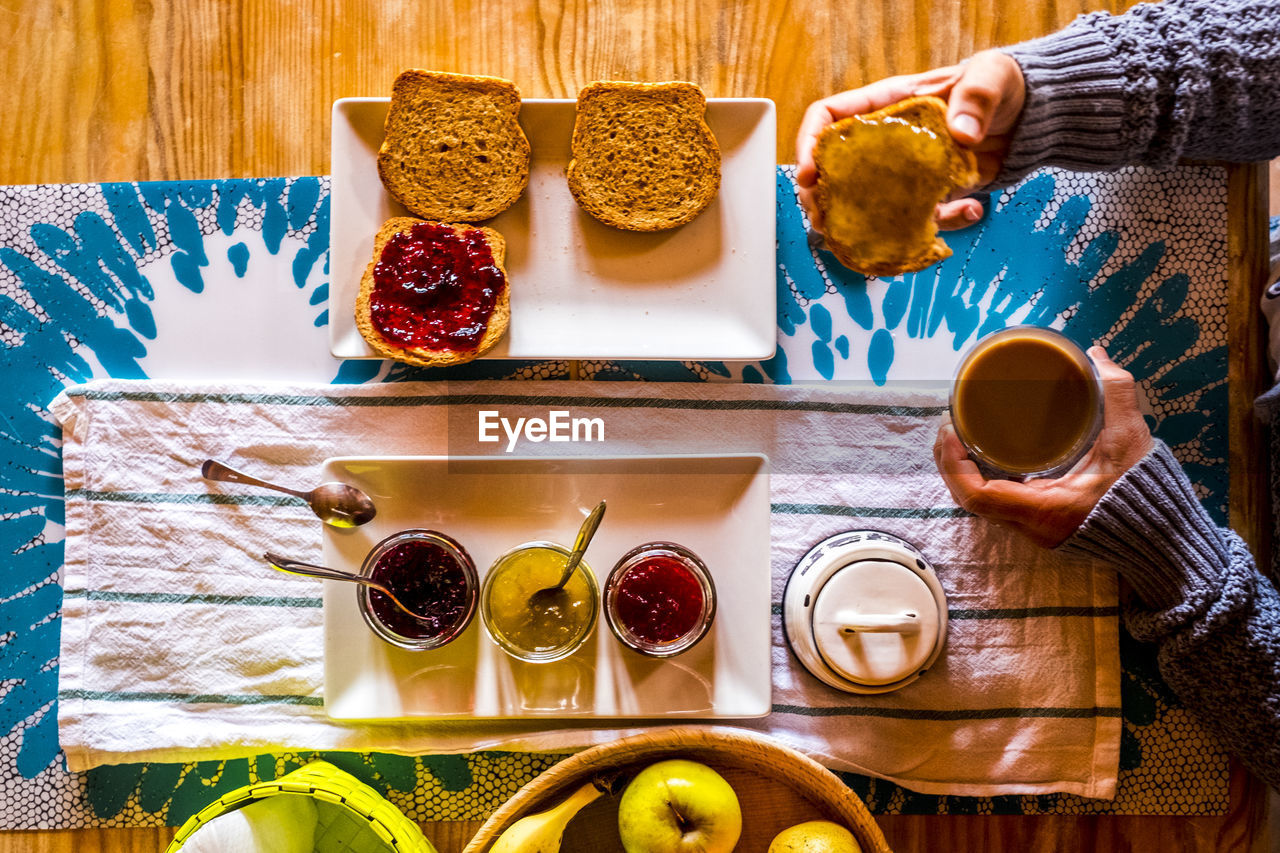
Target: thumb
1119	390
977	95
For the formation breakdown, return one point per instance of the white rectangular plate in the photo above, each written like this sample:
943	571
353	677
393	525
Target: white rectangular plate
580	289
718	506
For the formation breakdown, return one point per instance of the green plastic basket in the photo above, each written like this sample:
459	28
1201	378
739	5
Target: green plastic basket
353	818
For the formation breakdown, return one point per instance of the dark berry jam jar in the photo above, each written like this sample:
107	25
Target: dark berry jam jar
659	599
430	573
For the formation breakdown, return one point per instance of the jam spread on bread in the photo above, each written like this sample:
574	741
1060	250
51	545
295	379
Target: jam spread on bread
435	288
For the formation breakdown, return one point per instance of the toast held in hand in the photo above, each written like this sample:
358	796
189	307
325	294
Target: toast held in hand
880	179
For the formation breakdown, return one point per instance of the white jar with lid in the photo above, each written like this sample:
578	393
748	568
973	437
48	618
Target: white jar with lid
864	612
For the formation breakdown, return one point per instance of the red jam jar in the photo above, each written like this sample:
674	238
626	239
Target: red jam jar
430	573
659	599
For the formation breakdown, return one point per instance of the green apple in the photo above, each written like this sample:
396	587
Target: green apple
679	806
815	836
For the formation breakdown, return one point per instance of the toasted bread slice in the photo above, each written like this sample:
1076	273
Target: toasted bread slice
880	177
460	282
453	150
643	156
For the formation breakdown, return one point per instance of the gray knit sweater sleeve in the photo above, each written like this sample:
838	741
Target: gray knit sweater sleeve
1214	618
1197	79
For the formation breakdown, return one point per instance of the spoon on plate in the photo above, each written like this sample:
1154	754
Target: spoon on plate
310	570
336	504
555	597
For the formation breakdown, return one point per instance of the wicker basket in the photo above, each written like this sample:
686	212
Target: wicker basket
354	818
776	785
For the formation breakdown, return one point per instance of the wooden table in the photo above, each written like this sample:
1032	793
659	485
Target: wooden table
119	90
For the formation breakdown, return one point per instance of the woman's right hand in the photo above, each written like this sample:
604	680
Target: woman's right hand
984	99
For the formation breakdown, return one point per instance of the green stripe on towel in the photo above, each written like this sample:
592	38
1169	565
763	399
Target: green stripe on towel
192	598
282	501
1016	612
512	400
869	511
946	715
270	500
191	698
1032	612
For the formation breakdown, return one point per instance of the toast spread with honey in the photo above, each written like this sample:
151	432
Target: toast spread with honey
435	293
453	150
880	178
643	156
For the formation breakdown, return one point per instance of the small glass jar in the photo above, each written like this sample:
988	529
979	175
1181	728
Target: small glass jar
529	633
659	599
429	572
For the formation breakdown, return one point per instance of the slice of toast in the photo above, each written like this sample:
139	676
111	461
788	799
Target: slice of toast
451	305
643	156
880	178
453	150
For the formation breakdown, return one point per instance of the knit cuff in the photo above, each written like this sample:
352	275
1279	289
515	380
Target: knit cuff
1151	527
1074	110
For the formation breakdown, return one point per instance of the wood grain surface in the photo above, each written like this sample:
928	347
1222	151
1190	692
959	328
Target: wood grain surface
99	90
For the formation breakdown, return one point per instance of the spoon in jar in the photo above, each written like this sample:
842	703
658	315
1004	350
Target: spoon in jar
555	597
336	504
310	570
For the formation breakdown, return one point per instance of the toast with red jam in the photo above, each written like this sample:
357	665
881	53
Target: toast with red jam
435	293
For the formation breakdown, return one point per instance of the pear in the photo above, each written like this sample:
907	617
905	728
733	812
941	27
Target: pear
543	832
815	836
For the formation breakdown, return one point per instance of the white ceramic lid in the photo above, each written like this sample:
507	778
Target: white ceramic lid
864	612
875	622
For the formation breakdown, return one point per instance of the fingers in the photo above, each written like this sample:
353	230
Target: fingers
866	99
975	91
998	501
841	105
938	81
1119	391
808	197
961	213
990	79
1107	368
1121	415
832	109
958	471
970	489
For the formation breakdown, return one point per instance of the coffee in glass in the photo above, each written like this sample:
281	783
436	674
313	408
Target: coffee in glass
1026	402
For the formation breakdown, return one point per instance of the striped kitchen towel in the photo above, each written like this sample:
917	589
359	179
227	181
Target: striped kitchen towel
177	645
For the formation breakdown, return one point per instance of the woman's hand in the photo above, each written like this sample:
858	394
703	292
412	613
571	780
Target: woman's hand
1049	511
984	99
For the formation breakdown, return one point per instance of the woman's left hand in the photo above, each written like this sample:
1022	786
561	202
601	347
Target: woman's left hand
1048	511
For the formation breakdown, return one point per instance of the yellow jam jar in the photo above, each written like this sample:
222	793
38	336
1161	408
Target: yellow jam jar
530	633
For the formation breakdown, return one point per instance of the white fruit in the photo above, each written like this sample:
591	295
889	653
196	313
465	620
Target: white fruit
543	832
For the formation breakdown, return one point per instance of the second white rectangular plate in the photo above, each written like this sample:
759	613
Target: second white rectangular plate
718	506
580	289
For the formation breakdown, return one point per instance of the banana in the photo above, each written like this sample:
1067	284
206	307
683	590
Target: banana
542	832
